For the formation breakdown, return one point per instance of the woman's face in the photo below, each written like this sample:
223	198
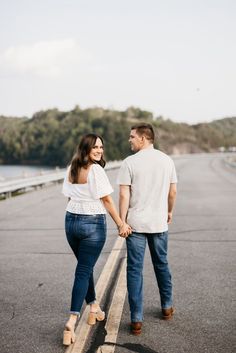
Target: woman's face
96	152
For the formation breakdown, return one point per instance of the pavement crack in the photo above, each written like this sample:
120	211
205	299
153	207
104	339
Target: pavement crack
13	312
201	230
204	240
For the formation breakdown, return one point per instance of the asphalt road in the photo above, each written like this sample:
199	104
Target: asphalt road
37	267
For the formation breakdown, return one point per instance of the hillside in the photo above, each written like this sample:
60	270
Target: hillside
50	137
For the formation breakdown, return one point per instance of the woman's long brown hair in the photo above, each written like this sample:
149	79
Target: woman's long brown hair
81	157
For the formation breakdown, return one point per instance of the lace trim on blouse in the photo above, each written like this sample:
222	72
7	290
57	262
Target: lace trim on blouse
89	207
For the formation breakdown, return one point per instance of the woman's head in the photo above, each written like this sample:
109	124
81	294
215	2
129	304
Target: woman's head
89	150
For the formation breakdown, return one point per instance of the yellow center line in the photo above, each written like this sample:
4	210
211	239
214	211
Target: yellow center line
83	329
115	312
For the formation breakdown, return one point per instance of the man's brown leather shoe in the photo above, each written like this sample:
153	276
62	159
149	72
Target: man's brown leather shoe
168	313
136	328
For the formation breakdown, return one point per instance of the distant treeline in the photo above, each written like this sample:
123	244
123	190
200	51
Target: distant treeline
50	137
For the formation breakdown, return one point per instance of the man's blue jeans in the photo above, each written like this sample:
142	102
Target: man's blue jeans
86	235
136	244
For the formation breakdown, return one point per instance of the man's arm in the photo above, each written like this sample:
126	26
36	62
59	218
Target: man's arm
124	201
171	201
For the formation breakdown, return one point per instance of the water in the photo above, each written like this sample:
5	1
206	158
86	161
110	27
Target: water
21	171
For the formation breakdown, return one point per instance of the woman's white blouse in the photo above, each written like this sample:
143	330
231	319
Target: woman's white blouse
85	198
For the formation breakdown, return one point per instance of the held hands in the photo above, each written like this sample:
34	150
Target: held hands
124	230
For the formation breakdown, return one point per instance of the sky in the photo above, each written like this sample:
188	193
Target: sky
174	58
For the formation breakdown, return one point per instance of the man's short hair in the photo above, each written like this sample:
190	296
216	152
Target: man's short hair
144	129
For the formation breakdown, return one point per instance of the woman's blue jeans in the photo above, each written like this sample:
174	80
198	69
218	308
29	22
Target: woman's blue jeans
86	235
136	244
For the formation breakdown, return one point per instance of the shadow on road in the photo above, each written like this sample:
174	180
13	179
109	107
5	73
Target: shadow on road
133	347
99	337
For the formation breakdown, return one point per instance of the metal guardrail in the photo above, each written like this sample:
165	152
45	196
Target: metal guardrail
24	184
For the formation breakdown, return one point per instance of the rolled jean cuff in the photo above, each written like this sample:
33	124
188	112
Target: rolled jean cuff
167	306
136	318
75	313
92	302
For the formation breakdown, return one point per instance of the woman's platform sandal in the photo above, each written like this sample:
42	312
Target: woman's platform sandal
99	315
68	336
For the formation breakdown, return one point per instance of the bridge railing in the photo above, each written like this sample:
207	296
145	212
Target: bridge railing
7	188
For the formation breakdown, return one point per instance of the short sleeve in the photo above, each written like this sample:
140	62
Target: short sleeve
99	183
124	174
173	177
66	184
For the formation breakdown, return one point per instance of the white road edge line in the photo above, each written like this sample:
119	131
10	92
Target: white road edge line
83	329
115	313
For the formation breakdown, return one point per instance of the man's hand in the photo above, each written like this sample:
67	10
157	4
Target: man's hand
171	201
169	218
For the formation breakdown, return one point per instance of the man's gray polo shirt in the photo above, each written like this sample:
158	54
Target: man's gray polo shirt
149	172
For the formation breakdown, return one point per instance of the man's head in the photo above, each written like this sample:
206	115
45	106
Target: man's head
141	136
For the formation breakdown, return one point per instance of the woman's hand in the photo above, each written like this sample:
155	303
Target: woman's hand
124	230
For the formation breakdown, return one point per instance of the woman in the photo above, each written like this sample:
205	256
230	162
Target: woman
88	189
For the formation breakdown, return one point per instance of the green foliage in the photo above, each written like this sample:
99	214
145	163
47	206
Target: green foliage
50	137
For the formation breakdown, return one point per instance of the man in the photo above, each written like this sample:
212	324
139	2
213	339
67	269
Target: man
147	182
